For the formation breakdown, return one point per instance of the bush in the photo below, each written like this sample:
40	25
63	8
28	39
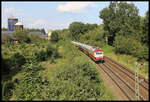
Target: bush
35	38
22	36
30	83
18	59
7	90
54	36
50	53
130	46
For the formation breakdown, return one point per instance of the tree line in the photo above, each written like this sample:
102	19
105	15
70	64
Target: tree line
29	29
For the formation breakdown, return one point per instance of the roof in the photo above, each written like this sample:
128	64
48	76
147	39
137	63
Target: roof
5	33
12	18
18	23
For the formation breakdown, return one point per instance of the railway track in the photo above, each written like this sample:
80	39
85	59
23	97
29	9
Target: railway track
124	78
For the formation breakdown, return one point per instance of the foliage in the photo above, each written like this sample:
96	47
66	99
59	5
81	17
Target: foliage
7	90
8	38
54	36
22	36
30	82
35	38
121	19
35	29
4	29
145	33
18	59
94	37
130	46
78	28
50	53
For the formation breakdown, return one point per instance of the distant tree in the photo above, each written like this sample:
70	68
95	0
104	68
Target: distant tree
54	36
43	31
8	38
22	36
35	38
76	28
4	29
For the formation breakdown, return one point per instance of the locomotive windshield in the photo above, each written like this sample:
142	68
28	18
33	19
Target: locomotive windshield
98	53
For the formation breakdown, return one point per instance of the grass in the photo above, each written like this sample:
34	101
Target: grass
126	60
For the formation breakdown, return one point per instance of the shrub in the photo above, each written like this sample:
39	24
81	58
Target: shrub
54	36
35	38
130	46
30	83
7	90
22	36
18	59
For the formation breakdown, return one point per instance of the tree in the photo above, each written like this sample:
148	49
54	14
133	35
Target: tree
4	29
120	19
22	36
76	29
145	33
43	31
54	36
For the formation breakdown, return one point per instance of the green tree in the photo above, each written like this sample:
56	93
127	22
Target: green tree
8	38
22	36
4	29
145	33
76	29
54	36
120	19
43	31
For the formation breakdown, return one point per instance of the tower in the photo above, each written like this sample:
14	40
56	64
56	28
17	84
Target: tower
11	22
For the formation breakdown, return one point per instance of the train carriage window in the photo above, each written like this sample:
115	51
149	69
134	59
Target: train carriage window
98	53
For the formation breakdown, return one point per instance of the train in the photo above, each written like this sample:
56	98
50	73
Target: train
95	53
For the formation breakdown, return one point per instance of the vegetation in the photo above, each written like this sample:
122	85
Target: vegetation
37	69
4	29
22	36
54	36
78	81
125	29
33	29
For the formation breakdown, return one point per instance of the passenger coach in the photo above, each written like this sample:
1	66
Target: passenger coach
94	53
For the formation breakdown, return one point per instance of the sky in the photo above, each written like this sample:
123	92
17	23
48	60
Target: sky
58	15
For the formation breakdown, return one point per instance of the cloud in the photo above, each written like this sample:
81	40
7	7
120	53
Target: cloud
11	11
37	23
75	7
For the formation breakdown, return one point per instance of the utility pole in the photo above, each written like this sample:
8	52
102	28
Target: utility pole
137	81
106	40
137	94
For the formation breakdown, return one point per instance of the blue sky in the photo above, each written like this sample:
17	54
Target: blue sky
57	15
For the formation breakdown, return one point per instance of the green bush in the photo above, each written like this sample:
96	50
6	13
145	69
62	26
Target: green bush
49	53
30	83
7	90
54	36
22	36
130	46
35	38
18	59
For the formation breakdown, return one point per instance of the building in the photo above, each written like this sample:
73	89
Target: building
18	26
49	34
11	22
